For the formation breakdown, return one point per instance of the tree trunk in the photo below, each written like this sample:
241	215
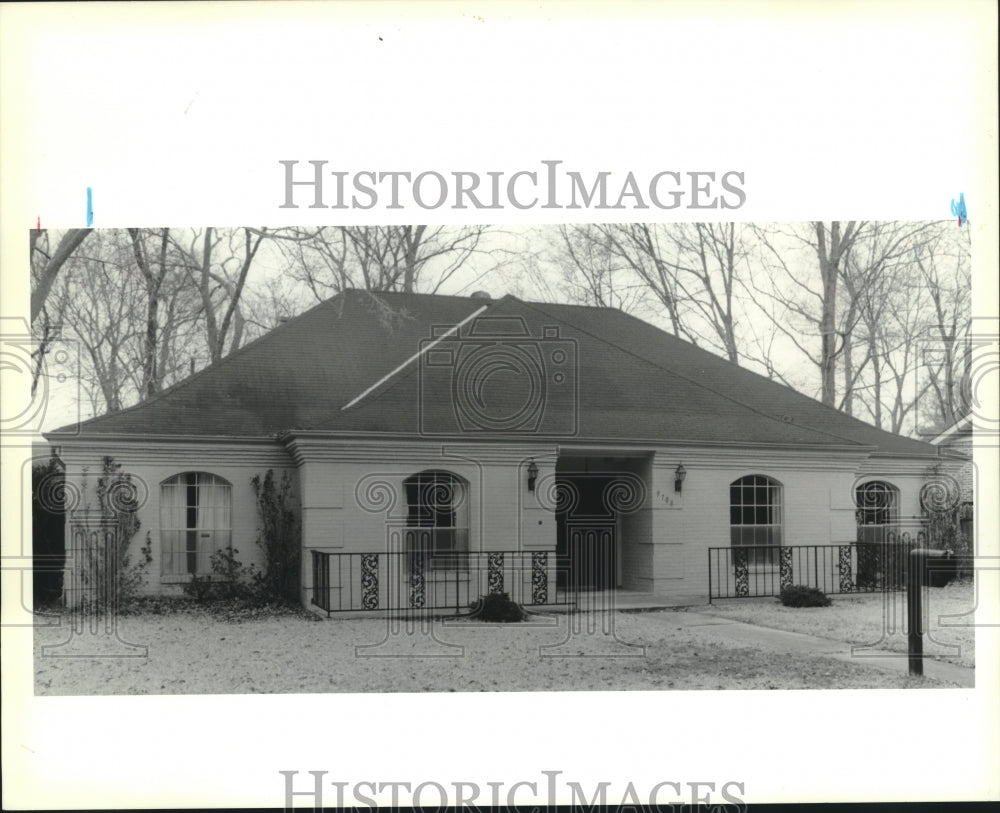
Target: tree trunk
69	243
831	249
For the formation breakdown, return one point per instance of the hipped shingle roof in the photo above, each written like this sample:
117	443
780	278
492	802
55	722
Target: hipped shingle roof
517	369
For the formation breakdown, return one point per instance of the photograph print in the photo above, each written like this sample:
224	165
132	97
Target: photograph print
604	457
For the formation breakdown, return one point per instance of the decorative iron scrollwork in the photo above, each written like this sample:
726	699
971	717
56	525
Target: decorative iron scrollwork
844	562
539	578
741	571
785	567
418	592
494	573
369	581
869	570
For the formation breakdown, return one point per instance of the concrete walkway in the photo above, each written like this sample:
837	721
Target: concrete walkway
727	631
739	633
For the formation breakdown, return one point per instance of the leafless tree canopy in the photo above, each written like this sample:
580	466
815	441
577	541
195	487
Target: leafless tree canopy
873	318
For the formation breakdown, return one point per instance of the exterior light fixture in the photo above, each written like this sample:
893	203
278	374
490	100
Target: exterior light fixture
679	476
532	474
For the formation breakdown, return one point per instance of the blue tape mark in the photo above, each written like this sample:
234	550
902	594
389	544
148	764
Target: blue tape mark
958	209
90	207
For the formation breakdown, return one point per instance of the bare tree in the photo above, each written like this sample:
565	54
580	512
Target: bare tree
877	296
46	264
808	299
690	274
129	342
857	299
269	303
590	272
102	300
154	268
378	258
218	263
945	272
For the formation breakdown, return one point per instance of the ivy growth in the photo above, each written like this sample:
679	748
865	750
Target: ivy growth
109	570
278	534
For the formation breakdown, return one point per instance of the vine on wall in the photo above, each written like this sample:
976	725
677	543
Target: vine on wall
278	535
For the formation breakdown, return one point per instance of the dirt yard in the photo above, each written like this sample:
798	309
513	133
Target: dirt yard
193	652
872	619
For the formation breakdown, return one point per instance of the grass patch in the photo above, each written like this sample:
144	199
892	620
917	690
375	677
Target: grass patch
872	619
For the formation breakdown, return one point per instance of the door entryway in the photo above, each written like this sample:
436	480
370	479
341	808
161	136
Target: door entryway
601	520
587	531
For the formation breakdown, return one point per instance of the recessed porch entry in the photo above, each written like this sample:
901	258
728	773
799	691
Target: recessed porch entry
593	540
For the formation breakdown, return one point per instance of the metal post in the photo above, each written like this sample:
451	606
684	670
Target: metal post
916	579
914	611
710	576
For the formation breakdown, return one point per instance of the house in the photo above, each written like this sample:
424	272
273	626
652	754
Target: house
956	443
443	446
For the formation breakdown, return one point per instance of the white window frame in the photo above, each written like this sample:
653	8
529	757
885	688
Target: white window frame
195	522
447	544
768	534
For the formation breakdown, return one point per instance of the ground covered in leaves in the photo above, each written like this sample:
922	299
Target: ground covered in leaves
877	619
184	649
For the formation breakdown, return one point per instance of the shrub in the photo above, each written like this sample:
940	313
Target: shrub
230	580
497	607
798	595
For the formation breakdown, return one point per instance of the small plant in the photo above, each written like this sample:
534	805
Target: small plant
133	576
497	607
798	595
230	580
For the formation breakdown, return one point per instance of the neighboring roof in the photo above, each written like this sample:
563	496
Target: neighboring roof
622	379
959	431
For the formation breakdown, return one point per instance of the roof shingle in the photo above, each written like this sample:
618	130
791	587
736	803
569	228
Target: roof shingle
580	372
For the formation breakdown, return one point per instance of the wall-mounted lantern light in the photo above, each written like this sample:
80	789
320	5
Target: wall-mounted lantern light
532	474
679	476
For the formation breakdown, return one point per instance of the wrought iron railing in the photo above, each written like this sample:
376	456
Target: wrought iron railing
441	548
854	567
420	580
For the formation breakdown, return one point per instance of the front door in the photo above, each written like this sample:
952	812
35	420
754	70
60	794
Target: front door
586	537
591	549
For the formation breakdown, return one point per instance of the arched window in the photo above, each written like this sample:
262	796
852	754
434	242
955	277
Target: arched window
755	516
195	522
438	505
877	512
